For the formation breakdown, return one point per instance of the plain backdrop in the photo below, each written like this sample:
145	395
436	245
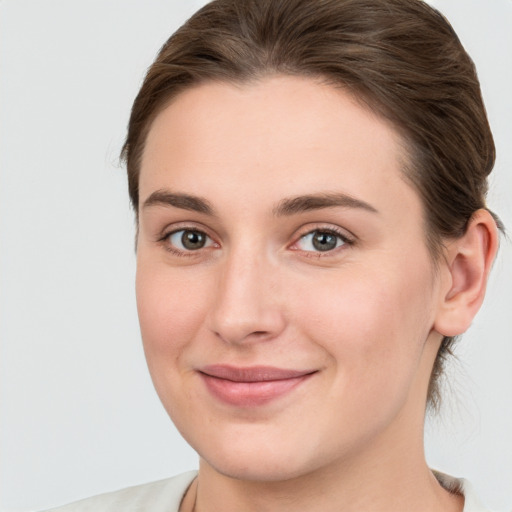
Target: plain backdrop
78	412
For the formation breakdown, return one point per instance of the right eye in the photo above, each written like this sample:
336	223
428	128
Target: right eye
186	240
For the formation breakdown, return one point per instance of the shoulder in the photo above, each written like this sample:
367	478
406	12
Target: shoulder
461	486
161	496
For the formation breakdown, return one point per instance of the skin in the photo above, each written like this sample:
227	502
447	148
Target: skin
366	317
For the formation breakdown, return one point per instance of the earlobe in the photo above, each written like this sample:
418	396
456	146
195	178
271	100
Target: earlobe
469	260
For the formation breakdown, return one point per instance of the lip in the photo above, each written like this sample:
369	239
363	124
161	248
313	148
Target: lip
251	386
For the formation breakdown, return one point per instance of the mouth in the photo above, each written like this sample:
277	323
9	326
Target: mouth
251	386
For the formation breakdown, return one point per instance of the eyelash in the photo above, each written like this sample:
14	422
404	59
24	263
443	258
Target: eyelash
338	233
165	241
346	241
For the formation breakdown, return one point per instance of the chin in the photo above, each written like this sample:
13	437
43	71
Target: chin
260	468
259	458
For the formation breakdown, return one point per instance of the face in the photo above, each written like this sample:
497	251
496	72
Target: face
285	292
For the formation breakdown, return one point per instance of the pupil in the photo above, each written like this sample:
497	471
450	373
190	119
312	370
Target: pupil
193	240
324	241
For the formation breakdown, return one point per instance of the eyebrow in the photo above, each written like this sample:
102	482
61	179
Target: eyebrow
178	200
300	204
286	207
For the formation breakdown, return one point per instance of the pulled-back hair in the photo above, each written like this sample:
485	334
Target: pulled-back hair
401	58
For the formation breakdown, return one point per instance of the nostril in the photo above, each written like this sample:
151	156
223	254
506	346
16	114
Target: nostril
243	336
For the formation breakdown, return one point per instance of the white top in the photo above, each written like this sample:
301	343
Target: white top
166	495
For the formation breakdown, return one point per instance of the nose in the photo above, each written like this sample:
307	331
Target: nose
247	304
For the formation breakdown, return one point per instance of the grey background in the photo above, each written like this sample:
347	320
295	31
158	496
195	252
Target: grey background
78	412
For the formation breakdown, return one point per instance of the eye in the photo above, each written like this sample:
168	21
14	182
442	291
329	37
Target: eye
189	240
321	241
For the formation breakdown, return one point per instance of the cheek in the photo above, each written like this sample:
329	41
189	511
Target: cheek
372	323
170	305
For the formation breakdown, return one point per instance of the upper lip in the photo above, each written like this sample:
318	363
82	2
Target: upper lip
252	373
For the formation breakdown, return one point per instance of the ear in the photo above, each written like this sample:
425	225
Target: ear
468	261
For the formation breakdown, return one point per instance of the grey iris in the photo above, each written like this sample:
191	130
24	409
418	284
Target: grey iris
193	240
324	241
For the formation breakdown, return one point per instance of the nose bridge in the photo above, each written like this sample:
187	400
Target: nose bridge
246	306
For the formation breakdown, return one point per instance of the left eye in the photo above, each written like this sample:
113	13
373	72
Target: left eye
320	241
189	240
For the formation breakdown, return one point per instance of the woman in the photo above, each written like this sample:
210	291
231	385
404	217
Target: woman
309	180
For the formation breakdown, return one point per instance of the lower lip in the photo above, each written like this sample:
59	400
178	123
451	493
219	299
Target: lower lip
250	394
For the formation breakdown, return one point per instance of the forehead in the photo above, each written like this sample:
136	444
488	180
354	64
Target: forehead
280	136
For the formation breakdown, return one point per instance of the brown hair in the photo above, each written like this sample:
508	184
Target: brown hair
400	57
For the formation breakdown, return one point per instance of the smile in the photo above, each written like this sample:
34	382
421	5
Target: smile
253	386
